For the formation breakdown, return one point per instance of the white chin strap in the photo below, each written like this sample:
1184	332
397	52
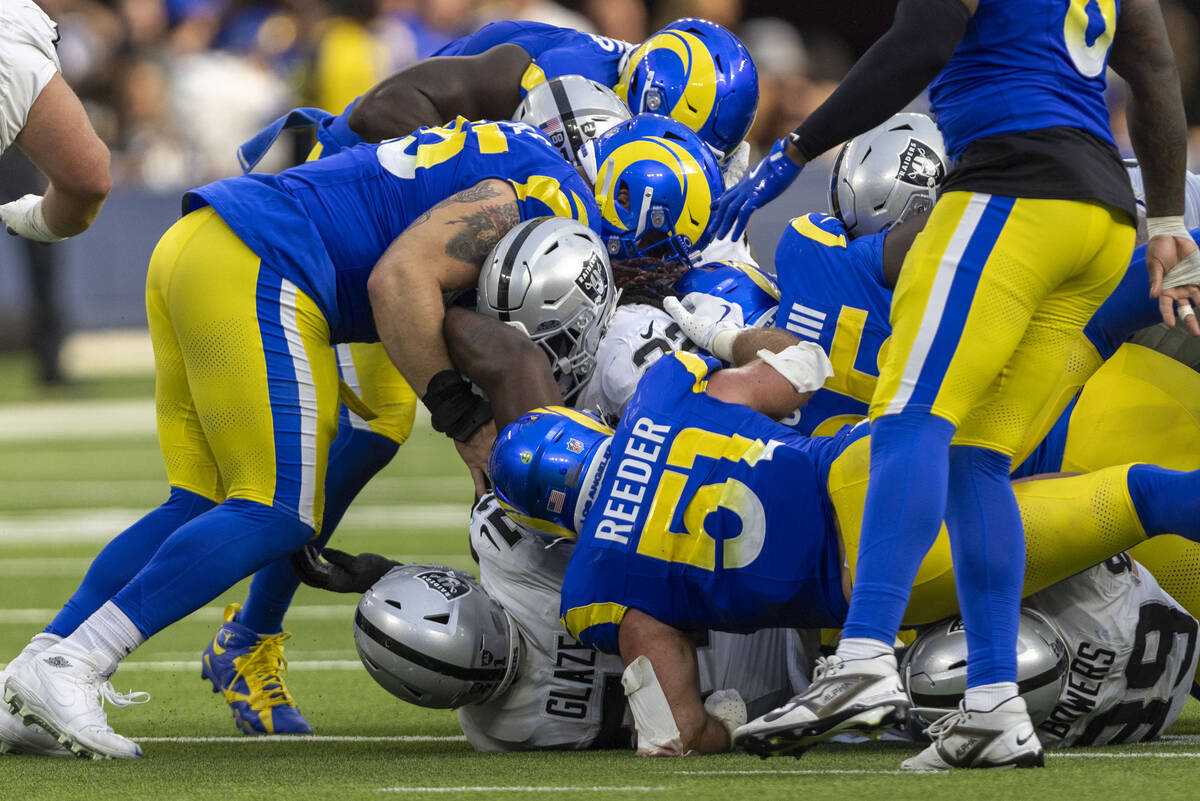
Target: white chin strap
644	212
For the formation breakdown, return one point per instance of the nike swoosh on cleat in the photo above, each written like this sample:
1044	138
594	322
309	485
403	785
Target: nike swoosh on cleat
1027	739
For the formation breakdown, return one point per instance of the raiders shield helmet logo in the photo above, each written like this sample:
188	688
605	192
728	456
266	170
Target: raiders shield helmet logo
920	165
449	586
591	279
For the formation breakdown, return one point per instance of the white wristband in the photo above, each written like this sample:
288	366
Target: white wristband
804	365
1167	226
722	343
24	217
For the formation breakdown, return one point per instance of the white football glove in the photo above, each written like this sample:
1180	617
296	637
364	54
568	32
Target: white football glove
736	165
710	322
23	217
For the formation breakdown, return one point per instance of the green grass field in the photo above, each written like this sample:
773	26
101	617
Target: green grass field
60	500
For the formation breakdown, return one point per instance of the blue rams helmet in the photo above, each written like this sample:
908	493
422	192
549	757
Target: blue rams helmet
546	468
738	282
696	72
655	183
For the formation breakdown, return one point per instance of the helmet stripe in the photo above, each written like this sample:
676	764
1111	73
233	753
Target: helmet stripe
425	660
504	280
578	417
563	104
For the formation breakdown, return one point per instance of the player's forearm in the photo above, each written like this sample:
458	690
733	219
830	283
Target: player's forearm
888	76
436	90
510	368
1141	54
407	306
751	340
71	212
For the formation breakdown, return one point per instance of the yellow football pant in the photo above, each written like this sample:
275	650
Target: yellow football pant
246	384
992	298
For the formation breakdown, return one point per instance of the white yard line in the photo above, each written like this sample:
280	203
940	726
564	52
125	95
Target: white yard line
209	614
100	525
526	789
176	665
309	738
785	772
1135	755
82	419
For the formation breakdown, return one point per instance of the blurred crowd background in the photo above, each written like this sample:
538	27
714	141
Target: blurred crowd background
173	86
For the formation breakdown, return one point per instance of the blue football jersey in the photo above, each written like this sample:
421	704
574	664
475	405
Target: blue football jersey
709	516
832	292
1024	65
555	51
323	224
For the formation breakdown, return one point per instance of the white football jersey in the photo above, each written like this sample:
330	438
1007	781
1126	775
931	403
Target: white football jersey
1133	652
28	61
569	696
637	336
1191	196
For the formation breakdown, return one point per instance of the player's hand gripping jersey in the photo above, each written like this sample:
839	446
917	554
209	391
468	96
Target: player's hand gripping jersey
555	51
682	534
325	223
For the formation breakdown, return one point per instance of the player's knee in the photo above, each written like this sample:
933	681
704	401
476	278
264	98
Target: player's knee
281	531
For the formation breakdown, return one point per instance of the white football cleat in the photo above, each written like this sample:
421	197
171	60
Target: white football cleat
847	695
1002	737
62	689
15	736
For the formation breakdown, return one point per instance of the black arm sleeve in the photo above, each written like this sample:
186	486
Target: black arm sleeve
888	76
436	90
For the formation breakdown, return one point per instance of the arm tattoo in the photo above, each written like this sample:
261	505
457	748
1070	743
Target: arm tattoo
483	228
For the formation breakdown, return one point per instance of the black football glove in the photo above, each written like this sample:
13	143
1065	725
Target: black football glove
338	571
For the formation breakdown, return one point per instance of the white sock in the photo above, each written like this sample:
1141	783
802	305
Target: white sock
864	648
987	697
108	632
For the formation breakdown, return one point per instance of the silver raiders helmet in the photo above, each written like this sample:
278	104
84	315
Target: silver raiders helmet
934	668
551	278
883	176
430	635
571	110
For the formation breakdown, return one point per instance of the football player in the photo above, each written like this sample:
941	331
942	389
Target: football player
704	468
1032	232
693	71
659	159
245	296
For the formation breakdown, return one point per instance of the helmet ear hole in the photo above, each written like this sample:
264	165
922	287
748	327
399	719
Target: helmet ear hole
623	195
443	618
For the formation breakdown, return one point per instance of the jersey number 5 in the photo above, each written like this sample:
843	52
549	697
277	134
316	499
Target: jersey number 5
694	545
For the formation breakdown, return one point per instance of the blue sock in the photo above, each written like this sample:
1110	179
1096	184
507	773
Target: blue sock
906	499
1167	501
987	543
356	456
205	558
125	555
